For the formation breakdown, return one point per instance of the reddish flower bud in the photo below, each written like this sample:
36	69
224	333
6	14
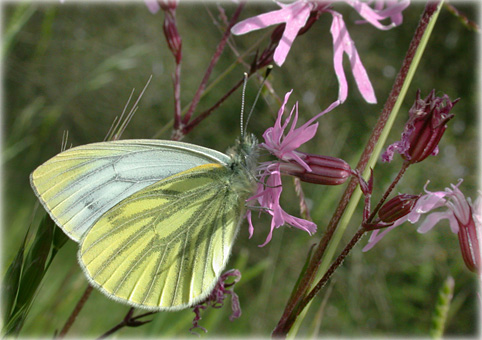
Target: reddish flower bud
171	33
397	207
324	169
469	243
168	5
424	129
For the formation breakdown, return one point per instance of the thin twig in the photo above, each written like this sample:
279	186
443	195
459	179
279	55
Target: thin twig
75	312
206	113
339	260
128	321
214	60
389	190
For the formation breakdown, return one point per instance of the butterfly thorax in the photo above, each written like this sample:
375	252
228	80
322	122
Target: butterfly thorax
244	156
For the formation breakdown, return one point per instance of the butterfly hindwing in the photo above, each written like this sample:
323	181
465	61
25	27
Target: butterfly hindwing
79	185
165	246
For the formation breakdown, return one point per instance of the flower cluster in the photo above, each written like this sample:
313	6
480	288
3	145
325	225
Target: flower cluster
217	296
465	220
298	17
308	167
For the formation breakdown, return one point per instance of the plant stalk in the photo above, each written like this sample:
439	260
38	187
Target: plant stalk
80	304
293	307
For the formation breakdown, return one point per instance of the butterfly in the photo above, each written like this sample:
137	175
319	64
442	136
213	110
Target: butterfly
155	220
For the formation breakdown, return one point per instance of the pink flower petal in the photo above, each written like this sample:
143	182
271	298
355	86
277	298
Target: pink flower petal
453	199
432	219
260	21
343	43
336	32
375	237
375	16
152	5
268	197
300	12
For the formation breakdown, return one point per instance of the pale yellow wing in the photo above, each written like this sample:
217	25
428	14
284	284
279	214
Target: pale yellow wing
164	247
79	185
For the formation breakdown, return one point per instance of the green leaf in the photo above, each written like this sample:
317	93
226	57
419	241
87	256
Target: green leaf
11	282
58	242
34	266
33	270
15	322
20	17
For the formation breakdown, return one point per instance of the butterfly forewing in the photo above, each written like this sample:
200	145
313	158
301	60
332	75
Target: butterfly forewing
79	185
165	246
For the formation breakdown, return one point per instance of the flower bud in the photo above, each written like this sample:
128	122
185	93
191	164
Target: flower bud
424	129
266	57
428	118
171	33
168	5
324	169
469	244
397	207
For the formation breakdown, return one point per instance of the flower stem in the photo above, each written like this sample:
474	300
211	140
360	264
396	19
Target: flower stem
176	79
206	113
214	60
128	321
333	267
75	312
371	152
389	190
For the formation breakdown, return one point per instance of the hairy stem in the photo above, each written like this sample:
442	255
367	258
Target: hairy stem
333	267
293	307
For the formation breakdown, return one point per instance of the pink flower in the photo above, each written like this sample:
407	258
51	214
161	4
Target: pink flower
268	196
152	6
284	147
300	15
216	298
465	220
294	15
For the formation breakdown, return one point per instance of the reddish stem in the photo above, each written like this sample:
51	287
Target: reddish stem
214	60
293	307
177	96
389	190
206	113
75	312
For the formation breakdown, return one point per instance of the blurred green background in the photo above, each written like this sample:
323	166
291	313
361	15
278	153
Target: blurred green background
72	67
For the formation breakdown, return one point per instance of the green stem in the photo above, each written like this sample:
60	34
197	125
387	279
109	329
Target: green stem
330	240
339	260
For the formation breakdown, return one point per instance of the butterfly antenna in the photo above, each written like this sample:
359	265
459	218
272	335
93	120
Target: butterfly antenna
242	105
268	71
